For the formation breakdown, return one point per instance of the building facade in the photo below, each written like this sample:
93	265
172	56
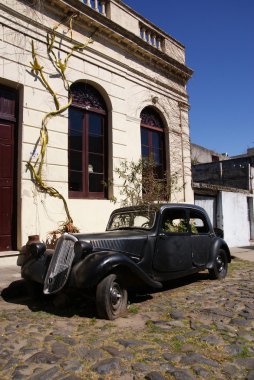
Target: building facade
200	154
225	189
127	81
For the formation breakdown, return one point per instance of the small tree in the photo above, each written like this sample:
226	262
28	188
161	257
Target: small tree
141	184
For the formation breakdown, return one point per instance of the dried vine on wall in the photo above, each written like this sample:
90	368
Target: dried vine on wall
38	70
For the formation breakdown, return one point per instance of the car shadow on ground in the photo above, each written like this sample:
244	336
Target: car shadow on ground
62	304
67	304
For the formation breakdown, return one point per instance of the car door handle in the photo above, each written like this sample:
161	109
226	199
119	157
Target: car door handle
162	235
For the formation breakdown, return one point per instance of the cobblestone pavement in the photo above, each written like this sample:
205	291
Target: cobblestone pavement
195	329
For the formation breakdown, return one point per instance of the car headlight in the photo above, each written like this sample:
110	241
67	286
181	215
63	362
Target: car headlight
37	249
82	247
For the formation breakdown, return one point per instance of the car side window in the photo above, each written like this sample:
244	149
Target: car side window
174	221
198	223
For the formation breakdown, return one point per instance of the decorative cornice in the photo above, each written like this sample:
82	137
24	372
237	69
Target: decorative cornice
121	35
183	106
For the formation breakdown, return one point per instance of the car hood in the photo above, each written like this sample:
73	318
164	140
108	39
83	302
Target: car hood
127	241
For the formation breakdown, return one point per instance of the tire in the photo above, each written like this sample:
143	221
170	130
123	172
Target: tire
111	298
220	269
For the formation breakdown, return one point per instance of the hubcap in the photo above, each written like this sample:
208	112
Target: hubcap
115	295
220	263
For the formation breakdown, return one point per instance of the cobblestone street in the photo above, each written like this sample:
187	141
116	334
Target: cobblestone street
195	329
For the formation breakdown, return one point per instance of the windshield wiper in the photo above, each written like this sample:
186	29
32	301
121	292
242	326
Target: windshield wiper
122	228
125	228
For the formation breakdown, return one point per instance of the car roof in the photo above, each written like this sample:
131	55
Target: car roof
161	207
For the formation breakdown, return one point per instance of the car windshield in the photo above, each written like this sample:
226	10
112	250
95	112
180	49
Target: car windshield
132	219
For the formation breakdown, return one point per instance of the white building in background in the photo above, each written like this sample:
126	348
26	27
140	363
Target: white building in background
224	187
129	98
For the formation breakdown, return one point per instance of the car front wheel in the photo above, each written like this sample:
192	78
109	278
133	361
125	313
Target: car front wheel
220	268
111	297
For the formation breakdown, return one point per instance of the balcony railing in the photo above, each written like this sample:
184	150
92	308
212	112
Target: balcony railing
97	5
151	36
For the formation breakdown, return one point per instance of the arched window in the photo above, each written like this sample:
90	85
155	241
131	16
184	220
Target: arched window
152	139
87	153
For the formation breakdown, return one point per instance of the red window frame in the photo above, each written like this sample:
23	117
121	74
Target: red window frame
153	125
91	146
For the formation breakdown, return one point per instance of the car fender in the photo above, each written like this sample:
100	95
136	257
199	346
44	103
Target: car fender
35	268
216	245
94	267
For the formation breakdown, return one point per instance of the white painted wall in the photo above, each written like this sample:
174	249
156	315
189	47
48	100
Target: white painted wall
235	221
230	213
251	216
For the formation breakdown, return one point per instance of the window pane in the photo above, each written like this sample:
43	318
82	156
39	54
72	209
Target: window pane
75	181
159	172
95	144
157	156
76	119
156	139
75	149
75	160
176	226
96	183
75	140
95	124
198	223
95	163
144	136
174	221
145	152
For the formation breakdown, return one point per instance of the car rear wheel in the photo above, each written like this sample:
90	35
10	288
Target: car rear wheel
220	268
111	297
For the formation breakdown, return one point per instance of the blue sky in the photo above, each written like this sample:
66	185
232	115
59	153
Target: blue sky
219	39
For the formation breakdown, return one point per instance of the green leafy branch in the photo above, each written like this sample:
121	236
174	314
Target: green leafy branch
141	184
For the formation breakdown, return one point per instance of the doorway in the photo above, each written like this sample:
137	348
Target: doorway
8	168
209	203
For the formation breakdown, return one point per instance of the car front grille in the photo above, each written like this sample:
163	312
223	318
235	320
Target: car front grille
60	264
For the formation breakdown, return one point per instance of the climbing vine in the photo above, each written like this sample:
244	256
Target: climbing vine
42	142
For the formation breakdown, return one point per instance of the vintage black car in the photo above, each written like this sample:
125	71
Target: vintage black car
141	246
